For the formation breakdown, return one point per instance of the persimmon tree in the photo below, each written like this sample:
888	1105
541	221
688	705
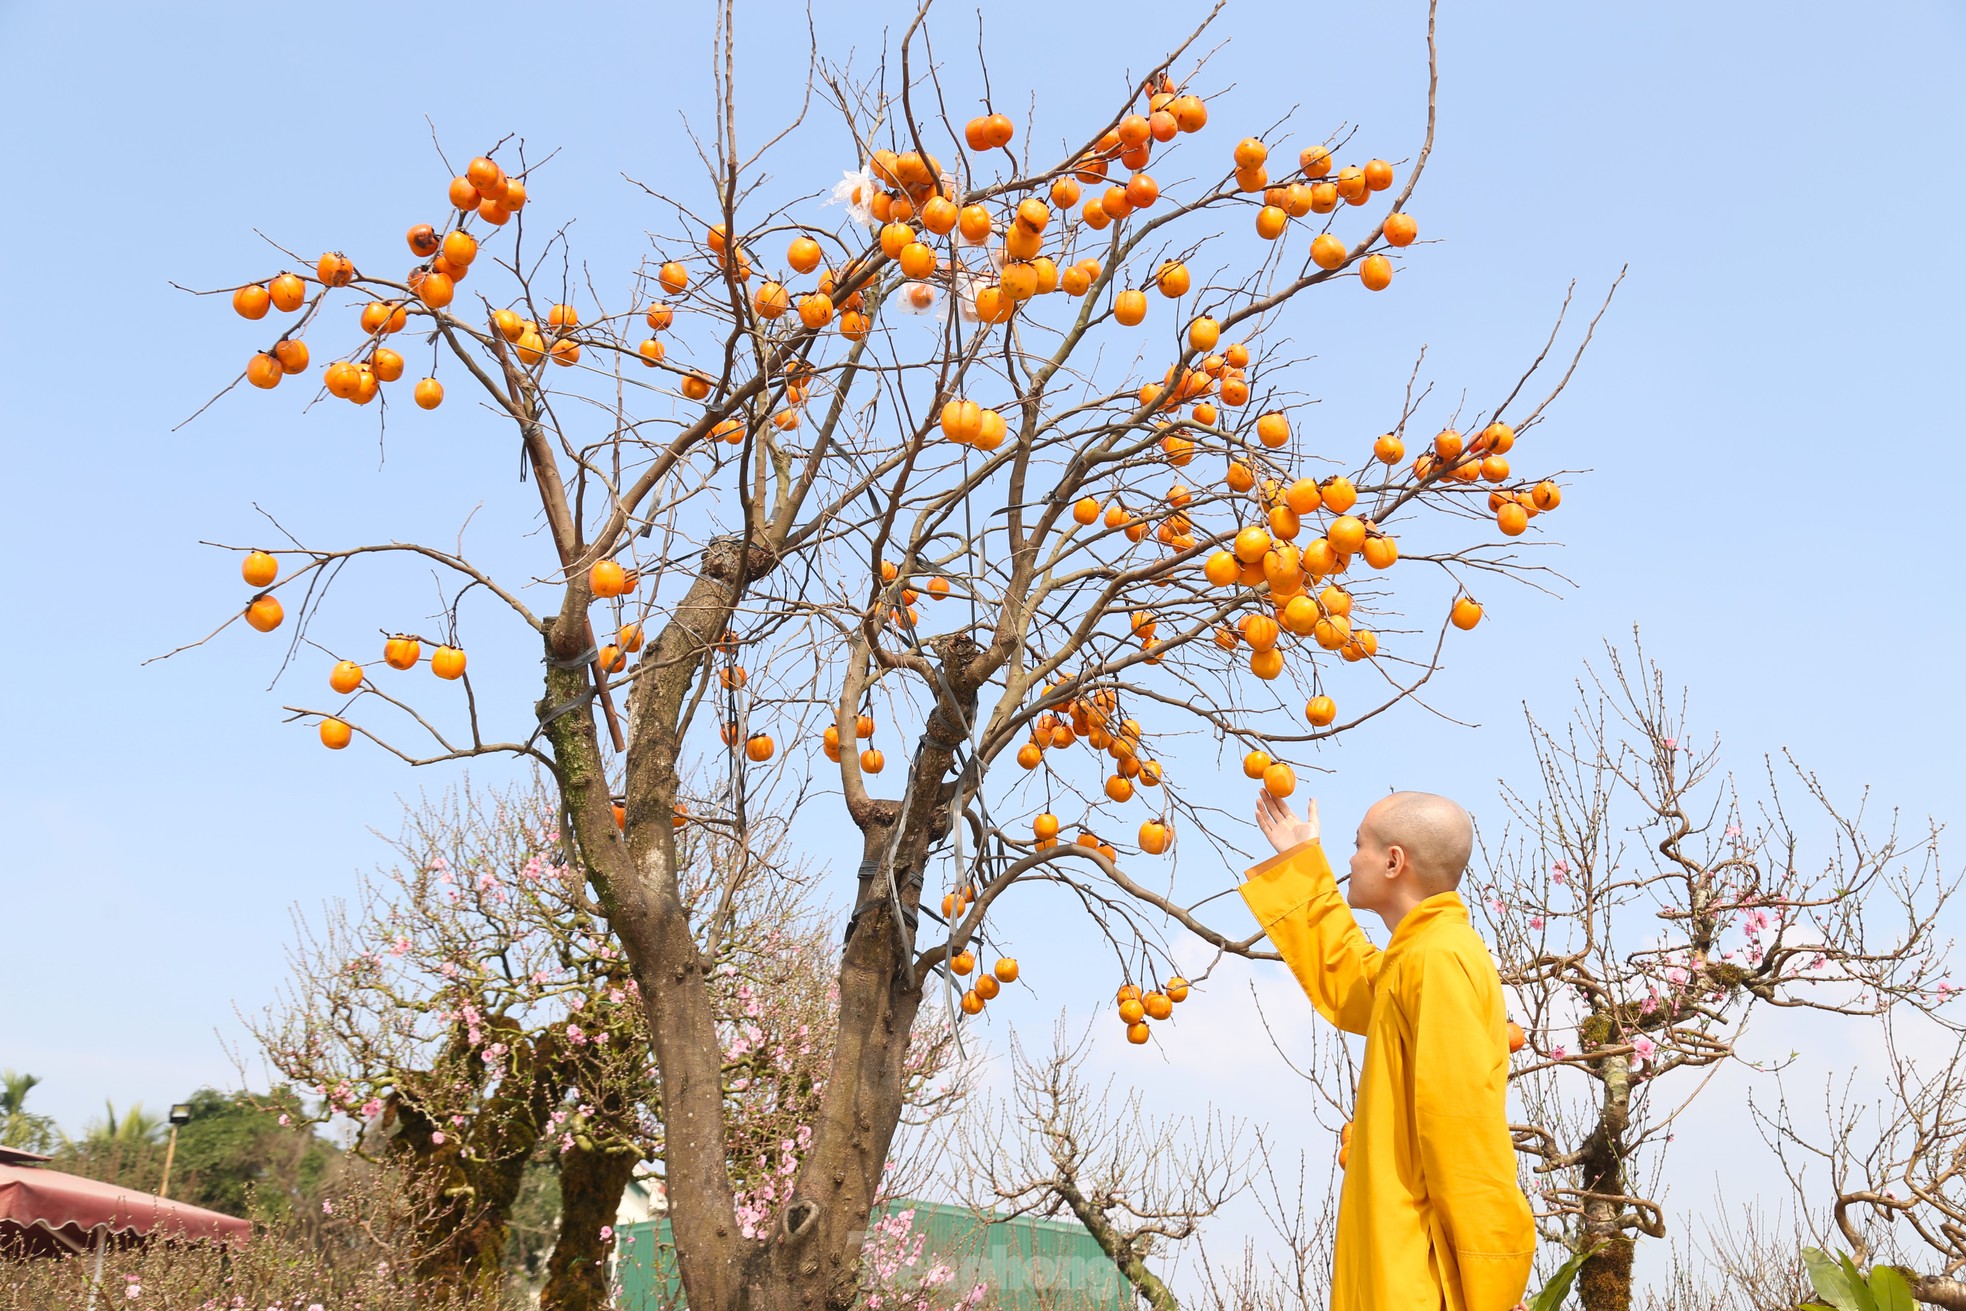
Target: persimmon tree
1645	907
1003	462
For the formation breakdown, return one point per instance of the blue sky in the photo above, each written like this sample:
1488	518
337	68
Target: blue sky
1763	417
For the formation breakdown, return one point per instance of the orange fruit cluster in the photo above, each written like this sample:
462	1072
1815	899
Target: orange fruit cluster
1137	1007
485	192
987	986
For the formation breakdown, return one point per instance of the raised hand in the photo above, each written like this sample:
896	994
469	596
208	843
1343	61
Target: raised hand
1280	825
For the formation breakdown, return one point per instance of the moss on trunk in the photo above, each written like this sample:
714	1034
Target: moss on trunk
592	1179
1605	1281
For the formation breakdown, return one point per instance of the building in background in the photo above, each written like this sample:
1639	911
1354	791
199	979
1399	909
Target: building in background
1025	1264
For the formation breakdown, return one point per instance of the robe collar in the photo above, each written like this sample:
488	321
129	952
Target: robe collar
1442	906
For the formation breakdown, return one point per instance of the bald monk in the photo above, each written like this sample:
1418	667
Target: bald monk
1430	1217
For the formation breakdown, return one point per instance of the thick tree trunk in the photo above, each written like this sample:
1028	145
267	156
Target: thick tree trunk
635	875
814	1258
591	1183
476	1171
811	1262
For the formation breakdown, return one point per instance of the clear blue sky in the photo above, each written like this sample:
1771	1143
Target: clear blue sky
1764	416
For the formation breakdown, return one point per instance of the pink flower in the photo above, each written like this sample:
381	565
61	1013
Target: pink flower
1535	921
285	1119
1558	1053
607	1233
1669	743
1643	1047
438	1138
575	1036
1560	868
1733	830
371	1108
327	1207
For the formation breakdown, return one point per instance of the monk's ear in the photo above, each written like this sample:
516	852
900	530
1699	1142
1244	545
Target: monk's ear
1396	861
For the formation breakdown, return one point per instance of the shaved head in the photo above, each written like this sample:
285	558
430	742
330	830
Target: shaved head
1435	833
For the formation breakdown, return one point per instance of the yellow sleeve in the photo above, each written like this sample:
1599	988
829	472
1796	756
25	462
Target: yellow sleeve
1295	899
1467	1158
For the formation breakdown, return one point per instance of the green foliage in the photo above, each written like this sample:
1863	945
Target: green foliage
1552	1294
1844	1288
236	1157
125	1149
233	1156
134	1127
20	1127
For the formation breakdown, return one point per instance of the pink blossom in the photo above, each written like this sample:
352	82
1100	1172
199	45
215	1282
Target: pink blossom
327	1206
285	1119
371	1108
133	1291
575	1036
1560	868
1669	743
1558	1053
400	947
438	1138
1643	1047
607	1233
1733	830
1535	921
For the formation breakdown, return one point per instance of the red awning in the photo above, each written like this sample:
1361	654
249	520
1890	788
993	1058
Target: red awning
47	1212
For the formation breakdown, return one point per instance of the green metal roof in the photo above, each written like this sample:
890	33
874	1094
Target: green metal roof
1027	1264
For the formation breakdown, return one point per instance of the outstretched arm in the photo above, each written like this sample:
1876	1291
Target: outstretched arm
1295	898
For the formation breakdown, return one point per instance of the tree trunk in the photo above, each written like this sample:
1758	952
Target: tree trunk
476	1171
1604	1283
1124	1254
592	1180
814	1259
811	1261
635	875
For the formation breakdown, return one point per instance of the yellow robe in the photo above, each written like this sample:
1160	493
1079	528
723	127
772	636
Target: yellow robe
1430	1215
